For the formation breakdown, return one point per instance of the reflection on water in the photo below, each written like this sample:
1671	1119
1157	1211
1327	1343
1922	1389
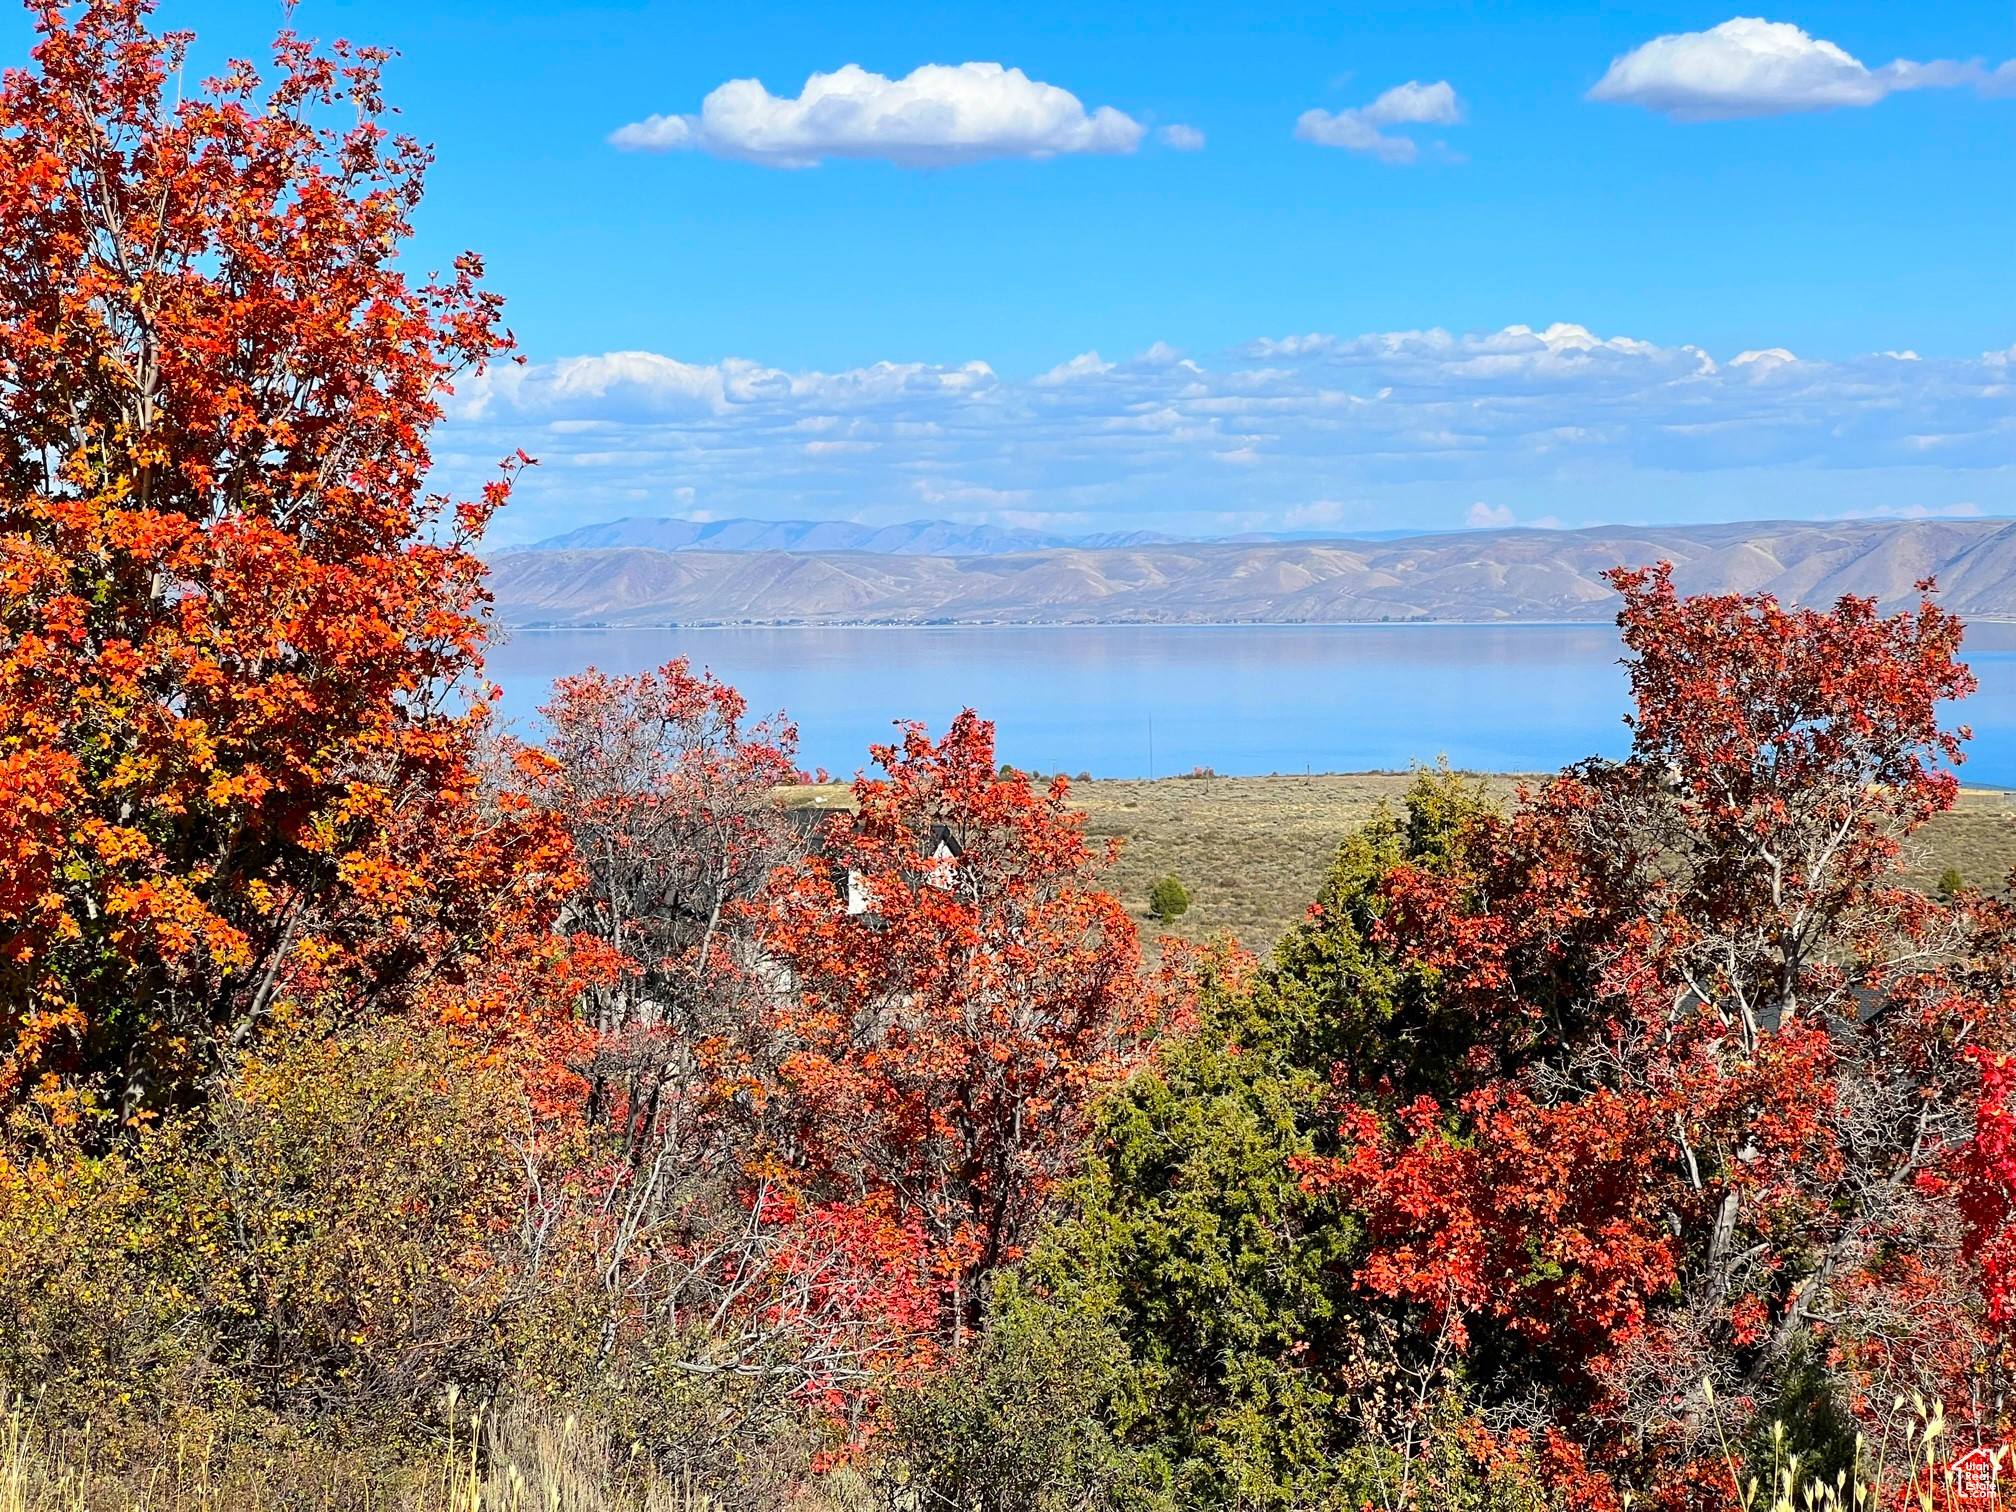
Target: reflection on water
1120	700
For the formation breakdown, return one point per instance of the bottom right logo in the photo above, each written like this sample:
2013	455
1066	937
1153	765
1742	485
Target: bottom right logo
1971	1480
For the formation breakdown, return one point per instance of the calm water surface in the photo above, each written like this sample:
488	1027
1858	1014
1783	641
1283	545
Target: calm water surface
1124	700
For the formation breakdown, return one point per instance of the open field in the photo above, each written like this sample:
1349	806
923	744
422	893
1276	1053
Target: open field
1253	850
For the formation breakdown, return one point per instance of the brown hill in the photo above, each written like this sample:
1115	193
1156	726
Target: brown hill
1472	575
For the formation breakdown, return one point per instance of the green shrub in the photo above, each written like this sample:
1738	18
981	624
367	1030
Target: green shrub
1223	1279
1017	1423
1168	899
1255	1374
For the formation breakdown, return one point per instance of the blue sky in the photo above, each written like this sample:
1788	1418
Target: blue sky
1884	222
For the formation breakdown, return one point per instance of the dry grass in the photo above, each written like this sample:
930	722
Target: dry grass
1978	840
1253	850
528	1457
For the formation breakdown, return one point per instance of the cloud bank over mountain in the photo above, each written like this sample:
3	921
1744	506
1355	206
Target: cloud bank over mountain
1370	431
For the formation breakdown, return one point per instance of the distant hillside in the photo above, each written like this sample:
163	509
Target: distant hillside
1472	575
916	538
913	538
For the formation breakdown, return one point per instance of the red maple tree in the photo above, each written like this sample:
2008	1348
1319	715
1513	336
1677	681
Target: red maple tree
945	1037
1708	1071
669	798
234	626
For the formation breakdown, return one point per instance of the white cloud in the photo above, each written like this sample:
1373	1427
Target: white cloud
1182	138
1548	420
1562	352
935	116
1964	511
1752	67
1084	365
618	386
1358	129
1482	516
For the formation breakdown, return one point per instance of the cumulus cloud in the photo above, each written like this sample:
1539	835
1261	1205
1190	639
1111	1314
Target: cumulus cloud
1182	138
1084	365
1359	129
1563	352
1752	67
933	117
1528	418
1317	514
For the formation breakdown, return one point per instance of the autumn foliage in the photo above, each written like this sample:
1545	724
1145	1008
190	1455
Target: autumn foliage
1605	1146
232	620
1719	1070
946	1040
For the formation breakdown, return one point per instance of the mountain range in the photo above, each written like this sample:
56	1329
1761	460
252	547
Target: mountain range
913	538
1483	575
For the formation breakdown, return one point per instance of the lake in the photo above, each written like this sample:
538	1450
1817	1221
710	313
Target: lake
1131	701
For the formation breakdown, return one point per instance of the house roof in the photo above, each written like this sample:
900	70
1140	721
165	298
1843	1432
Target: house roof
812	824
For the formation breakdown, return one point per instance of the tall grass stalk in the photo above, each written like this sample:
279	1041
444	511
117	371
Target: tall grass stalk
1918	1434
517	1458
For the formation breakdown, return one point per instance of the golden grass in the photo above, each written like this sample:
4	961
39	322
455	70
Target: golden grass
525	1458
1254	850
529	1459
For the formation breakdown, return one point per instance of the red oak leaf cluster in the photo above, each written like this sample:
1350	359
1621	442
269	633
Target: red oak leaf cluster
840	1067
668	800
1988	1192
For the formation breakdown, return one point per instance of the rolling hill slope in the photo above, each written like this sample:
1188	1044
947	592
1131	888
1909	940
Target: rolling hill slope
1471	575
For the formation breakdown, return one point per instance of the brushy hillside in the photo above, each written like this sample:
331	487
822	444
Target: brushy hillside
1471	575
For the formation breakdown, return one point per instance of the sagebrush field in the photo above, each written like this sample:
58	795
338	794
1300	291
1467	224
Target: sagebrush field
1253	851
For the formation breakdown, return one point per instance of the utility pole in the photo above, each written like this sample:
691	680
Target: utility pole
1151	747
